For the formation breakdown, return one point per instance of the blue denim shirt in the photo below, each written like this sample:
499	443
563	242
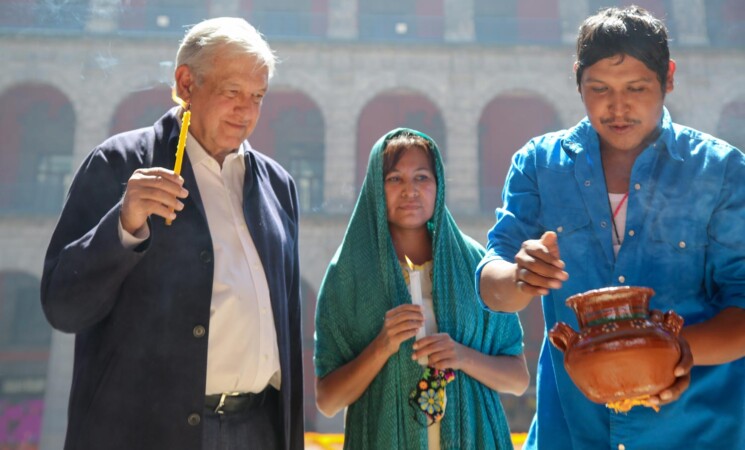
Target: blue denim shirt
685	238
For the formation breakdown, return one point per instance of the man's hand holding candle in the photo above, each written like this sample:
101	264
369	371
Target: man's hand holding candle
150	191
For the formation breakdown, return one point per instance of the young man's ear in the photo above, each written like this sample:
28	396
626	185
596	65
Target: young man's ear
574	69
670	83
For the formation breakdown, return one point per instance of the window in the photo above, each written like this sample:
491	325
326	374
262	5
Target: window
162	15
503	130
37	123
392	110
291	130
513	22
142	109
291	19
401	20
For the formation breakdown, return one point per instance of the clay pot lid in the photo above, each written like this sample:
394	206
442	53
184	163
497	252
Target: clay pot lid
608	294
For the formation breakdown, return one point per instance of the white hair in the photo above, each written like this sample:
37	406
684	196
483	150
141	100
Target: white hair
222	34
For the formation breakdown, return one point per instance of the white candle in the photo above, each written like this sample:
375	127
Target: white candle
415	289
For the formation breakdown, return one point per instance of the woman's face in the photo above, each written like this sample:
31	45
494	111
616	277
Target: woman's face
410	190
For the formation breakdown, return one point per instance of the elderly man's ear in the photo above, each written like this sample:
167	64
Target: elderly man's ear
184	83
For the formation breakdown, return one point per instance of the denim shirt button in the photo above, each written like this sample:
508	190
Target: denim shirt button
604	224
682	244
559	229
621	279
637	186
621	447
631	232
587	183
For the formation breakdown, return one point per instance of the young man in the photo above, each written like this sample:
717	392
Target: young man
187	335
626	197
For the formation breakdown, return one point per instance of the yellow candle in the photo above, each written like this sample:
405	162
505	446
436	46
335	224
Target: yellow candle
181	146
182	142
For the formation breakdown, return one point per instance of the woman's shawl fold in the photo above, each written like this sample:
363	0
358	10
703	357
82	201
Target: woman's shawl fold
364	281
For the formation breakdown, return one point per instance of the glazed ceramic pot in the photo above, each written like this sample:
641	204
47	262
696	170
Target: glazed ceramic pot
620	351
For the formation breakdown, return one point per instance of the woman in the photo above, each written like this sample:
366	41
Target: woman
365	356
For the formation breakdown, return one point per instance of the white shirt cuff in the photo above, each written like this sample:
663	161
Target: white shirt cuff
130	241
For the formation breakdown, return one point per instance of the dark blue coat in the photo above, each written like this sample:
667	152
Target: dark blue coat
140	359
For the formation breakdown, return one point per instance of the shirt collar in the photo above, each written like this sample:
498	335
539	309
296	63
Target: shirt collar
198	155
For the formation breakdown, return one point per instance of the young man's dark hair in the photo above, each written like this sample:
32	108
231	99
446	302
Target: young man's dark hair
629	31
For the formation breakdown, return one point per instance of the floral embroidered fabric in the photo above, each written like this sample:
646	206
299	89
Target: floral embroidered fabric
429	398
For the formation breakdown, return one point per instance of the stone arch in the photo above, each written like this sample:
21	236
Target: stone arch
141	109
506	124
292	131
393	109
37	123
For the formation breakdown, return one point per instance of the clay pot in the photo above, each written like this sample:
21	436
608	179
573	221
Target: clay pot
621	351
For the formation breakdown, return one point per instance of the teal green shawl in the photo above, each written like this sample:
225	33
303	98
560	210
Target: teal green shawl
364	280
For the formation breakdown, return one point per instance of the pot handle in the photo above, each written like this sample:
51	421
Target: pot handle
562	336
672	322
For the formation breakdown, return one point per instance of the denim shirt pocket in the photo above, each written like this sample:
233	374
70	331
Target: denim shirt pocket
567	222
677	248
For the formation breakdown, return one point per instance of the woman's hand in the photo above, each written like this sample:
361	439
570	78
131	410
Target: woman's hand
441	350
346	384
401	323
502	373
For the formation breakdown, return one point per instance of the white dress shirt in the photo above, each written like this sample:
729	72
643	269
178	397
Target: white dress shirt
243	355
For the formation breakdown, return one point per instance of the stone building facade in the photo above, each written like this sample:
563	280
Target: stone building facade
344	72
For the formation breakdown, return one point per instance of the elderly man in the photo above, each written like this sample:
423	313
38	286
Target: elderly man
183	290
